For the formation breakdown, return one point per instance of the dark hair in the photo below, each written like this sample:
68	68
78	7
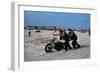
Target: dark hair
69	29
61	31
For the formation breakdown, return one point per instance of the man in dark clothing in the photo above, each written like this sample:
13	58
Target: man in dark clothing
30	30
89	32
64	36
73	37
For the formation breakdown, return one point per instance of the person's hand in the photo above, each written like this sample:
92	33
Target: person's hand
62	41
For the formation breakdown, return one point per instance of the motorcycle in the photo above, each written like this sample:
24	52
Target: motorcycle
54	44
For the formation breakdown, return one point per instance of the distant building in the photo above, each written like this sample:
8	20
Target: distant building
40	27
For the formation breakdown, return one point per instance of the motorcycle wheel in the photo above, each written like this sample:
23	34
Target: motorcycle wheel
48	48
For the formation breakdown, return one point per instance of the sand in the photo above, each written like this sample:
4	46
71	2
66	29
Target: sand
34	47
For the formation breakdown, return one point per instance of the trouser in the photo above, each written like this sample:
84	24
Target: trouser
29	33
75	44
67	46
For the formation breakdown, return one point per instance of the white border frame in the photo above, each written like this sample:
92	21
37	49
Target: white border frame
17	57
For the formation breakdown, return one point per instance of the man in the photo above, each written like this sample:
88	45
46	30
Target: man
89	32
73	37
56	34
30	30
64	36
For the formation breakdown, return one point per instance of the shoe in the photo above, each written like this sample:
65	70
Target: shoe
78	46
70	48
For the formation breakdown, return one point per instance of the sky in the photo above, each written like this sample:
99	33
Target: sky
59	19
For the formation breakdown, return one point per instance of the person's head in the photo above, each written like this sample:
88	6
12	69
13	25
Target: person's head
70	30
61	32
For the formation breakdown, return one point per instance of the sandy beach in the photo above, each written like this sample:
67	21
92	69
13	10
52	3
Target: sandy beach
34	47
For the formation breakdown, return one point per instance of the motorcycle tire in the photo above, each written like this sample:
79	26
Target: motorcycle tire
48	48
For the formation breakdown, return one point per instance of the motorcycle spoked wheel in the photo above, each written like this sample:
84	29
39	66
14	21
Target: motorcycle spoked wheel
48	48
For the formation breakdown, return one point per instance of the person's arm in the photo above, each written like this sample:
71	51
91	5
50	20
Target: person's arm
55	34
70	34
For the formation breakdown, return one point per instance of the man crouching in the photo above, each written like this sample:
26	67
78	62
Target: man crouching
73	37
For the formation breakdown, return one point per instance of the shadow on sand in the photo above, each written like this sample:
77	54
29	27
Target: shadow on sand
84	46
